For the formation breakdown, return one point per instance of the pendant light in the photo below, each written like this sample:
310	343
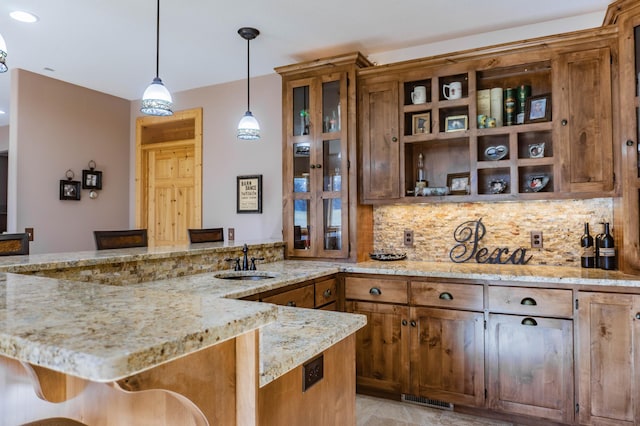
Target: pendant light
248	128
3	55
156	99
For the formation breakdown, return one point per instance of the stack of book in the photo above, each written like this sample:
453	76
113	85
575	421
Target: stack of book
506	106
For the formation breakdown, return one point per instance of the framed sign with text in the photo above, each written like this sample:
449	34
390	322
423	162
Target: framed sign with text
249	194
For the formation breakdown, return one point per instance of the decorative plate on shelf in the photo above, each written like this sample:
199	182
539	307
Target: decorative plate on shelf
537	183
494	153
497	186
388	256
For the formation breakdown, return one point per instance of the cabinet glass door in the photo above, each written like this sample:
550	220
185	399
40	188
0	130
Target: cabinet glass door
331	106
301	167
300	111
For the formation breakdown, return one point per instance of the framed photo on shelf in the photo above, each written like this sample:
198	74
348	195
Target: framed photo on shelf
421	123
70	190
456	123
537	108
458	183
249	194
91	179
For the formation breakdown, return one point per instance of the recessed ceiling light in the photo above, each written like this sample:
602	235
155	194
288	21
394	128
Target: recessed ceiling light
22	16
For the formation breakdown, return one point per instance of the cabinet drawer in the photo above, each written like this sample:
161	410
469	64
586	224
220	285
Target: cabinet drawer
300	297
447	295
531	301
375	289
326	291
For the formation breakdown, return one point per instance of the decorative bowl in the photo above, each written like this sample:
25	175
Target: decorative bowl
537	183
494	153
497	186
388	256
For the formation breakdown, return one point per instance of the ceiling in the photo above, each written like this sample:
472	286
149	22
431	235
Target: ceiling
109	45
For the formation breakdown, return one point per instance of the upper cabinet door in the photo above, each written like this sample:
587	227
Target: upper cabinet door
584	121
380	141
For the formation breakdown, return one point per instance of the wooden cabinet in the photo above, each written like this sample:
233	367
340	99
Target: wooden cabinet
584	127
563	153
380	141
321	214
530	357
382	346
609	360
303	297
320	294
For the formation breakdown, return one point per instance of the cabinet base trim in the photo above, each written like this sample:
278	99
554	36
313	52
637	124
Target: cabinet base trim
426	402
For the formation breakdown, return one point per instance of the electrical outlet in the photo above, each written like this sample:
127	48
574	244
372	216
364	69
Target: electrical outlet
536	239
232	234
408	237
313	372
29	232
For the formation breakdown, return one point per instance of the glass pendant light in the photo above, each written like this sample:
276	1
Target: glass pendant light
156	99
248	128
3	55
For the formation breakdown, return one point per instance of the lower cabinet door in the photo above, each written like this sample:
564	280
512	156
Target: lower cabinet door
447	355
609	358
530	366
382	363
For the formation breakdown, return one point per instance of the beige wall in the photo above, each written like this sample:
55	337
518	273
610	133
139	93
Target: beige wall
56	126
4	138
225	157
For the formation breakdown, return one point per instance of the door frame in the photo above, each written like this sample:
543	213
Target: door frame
184	127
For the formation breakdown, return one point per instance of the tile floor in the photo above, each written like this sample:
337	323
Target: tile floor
381	412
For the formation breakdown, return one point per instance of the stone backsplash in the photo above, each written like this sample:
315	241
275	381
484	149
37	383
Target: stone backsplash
508	225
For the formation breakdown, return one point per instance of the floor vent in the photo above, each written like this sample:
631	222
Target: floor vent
426	402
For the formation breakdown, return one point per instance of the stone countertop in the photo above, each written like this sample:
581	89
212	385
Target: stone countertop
38	262
105	333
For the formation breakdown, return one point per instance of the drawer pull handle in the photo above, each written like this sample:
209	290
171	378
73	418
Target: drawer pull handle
413	323
404	322
446	296
375	291
327	293
528	301
529	321
291	303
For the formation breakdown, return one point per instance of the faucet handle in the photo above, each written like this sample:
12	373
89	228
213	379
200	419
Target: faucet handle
236	267
253	262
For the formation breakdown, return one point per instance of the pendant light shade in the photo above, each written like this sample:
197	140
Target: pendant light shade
3	55
248	128
156	99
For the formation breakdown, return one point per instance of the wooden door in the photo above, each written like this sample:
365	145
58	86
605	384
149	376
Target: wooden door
608	358
382	362
530	366
171	194
380	141
585	120
447	355
169	176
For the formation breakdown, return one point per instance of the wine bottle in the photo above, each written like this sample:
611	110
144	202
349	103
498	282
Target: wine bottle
596	243
607	250
588	256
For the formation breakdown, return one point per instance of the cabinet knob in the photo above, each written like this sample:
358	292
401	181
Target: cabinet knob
313	166
404	322
318	166
327	293
291	303
564	122
638	316
375	291
394	139
445	296
413	323
529	321
528	301
629	142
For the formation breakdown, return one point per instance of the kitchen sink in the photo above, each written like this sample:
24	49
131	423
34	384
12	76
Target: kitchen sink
245	275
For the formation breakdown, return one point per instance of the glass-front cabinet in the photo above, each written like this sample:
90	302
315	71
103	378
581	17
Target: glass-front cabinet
316	162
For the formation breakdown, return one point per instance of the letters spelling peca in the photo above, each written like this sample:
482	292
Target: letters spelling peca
469	234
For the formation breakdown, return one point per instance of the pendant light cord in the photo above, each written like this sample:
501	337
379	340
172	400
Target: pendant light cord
248	91
158	40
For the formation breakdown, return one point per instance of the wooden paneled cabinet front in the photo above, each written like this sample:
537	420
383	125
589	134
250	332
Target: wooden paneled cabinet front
609	361
319	294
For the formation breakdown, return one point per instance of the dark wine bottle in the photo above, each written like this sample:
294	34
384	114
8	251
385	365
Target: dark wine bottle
596	243
607	250
588	256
